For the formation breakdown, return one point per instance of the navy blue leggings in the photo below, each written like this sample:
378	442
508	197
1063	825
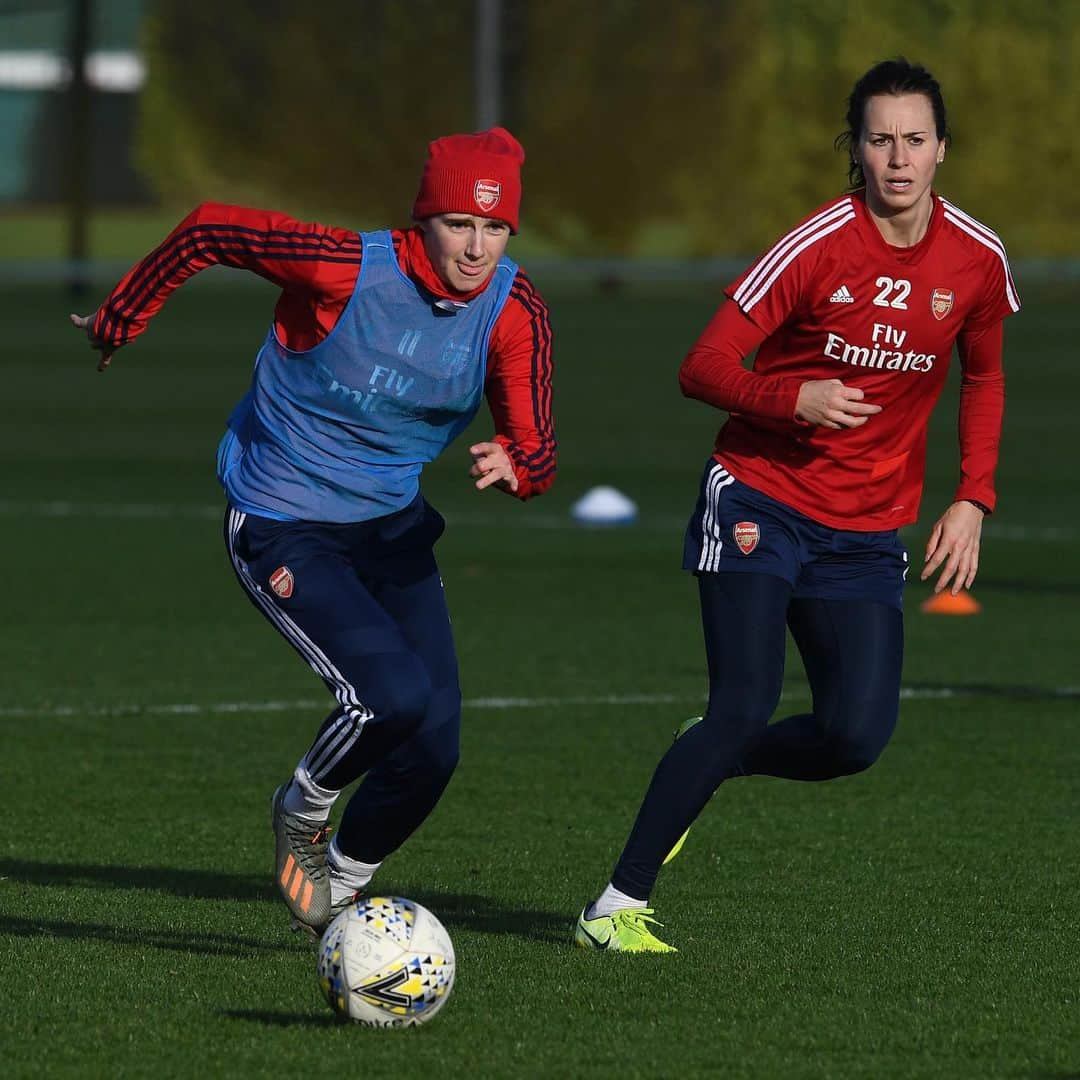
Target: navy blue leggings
853	654
363	605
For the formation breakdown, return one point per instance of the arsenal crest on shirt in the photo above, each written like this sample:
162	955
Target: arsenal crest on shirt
487	194
746	534
281	581
941	302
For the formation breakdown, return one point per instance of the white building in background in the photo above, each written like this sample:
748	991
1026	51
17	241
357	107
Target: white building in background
34	74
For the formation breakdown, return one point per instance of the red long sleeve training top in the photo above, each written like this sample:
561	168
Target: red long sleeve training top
316	267
832	300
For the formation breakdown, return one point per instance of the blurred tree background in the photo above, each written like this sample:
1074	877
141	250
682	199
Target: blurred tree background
703	127
692	128
268	102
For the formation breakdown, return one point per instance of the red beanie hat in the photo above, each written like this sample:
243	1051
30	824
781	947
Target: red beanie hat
472	174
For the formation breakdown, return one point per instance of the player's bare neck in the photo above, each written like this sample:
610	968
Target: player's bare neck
901	227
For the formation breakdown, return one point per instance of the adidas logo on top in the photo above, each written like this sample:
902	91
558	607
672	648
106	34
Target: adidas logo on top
842	296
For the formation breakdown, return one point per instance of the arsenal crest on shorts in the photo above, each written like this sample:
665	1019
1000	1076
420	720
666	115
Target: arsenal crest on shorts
746	535
487	194
941	302
281	581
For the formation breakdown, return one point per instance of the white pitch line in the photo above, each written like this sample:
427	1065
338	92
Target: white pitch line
907	693
226	707
527	519
61	508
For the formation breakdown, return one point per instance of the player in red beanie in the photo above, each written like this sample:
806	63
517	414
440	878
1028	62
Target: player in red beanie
473	174
467	205
382	346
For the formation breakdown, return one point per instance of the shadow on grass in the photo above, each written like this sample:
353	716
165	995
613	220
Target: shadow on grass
199	942
483	914
281	1019
188	884
487	915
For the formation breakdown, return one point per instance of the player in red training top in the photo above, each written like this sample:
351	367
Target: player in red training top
854	314
382	348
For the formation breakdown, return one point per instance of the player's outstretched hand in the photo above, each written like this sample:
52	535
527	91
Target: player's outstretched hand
492	466
954	542
829	403
85	323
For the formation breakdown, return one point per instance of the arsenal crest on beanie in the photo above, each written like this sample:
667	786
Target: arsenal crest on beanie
472	174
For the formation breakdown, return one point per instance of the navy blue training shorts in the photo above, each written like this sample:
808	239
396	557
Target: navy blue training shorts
736	528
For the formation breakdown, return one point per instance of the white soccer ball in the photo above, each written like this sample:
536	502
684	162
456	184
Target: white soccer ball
386	962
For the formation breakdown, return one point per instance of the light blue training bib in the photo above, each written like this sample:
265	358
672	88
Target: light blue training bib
342	431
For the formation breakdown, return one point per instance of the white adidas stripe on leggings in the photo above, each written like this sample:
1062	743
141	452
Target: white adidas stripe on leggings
331	746
356	712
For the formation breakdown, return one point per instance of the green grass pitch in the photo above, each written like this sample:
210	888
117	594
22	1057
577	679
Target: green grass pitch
919	920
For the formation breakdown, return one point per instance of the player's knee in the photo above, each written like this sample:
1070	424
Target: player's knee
401	701
441	752
856	746
734	722
856	755
445	740
729	732
427	761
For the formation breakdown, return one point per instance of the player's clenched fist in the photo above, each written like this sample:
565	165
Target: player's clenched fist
829	403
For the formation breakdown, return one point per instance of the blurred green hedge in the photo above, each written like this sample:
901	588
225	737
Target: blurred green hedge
686	129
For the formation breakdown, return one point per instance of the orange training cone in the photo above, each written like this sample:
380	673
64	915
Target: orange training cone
944	603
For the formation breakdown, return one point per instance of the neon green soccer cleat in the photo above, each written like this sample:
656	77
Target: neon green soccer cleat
684	727
622	931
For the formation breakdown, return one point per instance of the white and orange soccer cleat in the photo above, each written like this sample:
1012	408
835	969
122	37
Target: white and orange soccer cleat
300	866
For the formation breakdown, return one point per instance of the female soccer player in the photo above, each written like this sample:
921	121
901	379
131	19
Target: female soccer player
381	348
854	314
